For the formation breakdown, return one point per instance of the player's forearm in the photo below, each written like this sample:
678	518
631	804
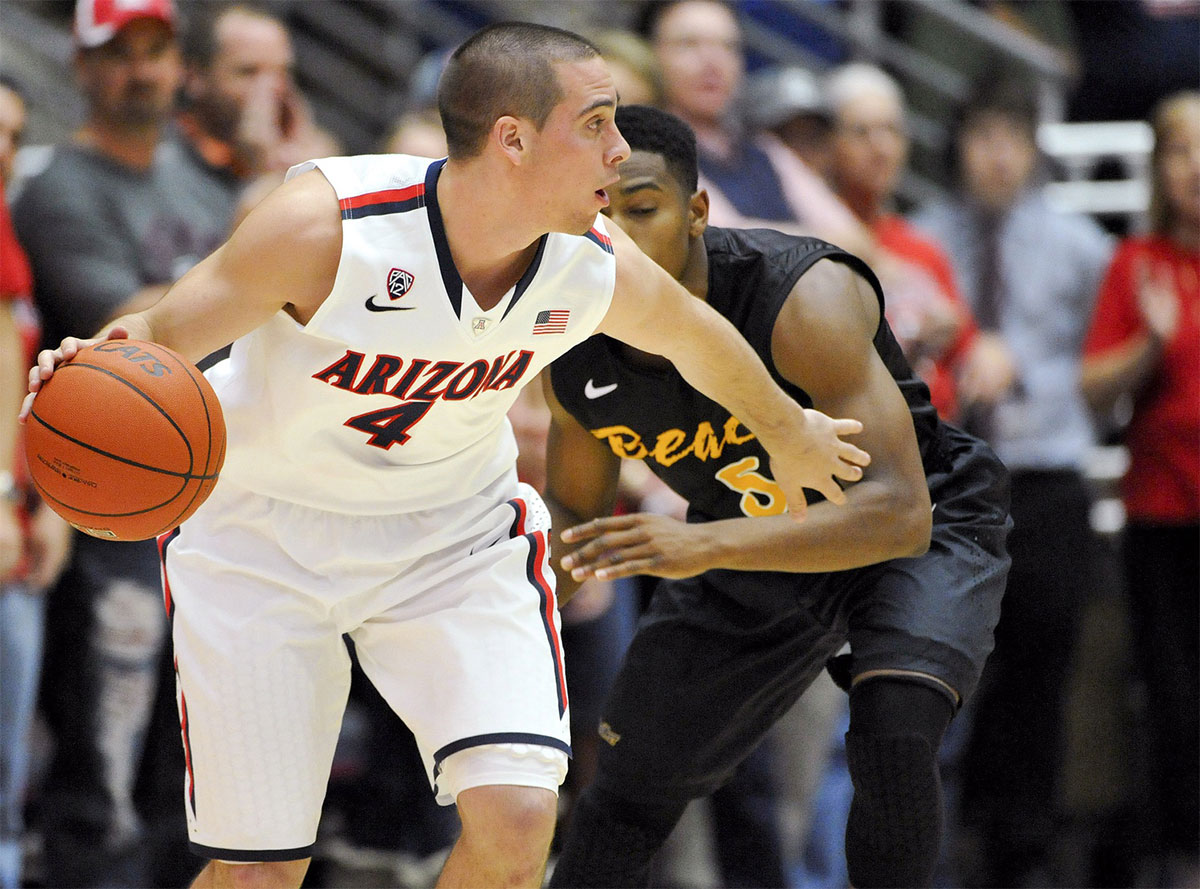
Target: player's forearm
188	319
134	324
732	374
875	525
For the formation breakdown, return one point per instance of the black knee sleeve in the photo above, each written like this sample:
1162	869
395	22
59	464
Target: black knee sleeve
895	824
610	842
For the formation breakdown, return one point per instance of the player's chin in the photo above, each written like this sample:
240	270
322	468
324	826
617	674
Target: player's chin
581	225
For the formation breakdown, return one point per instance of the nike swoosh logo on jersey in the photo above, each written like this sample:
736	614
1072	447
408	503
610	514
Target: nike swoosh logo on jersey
375	307
591	390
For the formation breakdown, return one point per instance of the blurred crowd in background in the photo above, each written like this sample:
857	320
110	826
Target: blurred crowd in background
1063	329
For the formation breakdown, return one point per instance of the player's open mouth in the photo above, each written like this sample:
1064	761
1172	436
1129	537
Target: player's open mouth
602	194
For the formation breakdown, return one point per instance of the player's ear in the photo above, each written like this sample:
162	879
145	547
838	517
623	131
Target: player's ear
508	134
698	213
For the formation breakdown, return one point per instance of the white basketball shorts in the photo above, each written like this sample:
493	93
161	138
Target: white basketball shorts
454	619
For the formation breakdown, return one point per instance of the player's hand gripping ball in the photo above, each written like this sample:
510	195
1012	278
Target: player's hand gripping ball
125	440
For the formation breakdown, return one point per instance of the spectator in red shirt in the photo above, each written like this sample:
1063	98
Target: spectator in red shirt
932	323
33	540
1144	345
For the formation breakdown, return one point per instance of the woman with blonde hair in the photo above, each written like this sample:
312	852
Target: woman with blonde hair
1144	347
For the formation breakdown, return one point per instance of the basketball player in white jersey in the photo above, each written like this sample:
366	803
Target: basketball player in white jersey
384	313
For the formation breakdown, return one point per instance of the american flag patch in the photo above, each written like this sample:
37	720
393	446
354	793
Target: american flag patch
551	321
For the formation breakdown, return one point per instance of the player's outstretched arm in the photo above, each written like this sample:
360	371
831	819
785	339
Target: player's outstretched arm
581	481
284	255
823	341
653	312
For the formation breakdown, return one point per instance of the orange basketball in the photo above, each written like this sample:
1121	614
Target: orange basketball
125	441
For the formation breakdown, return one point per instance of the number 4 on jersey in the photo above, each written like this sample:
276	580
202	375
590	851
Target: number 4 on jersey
390	426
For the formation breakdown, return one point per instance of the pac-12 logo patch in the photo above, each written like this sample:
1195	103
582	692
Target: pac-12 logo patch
399	283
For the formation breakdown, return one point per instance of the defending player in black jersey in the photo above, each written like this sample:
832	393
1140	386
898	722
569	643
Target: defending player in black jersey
911	570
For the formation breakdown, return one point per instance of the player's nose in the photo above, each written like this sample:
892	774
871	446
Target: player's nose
619	151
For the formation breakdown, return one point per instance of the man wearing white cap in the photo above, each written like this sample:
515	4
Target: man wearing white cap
108	227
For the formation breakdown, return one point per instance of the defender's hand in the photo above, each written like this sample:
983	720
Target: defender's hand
49	359
639	543
815	456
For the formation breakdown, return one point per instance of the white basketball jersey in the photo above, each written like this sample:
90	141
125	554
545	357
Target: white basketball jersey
393	397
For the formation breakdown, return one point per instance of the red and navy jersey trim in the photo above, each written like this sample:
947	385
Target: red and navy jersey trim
527	278
164	540
381	203
451	279
599	238
535	571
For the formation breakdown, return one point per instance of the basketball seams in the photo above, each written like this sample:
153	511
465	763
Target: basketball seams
201	492
186	476
191	374
47	496
182	435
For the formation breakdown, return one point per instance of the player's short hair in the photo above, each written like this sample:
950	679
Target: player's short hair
657	131
505	68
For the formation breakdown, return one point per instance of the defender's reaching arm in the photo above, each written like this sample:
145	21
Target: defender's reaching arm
653	312
887	515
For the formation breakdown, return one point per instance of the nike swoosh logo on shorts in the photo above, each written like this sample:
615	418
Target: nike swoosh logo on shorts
374	307
591	390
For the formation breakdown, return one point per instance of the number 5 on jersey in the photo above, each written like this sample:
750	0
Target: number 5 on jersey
760	495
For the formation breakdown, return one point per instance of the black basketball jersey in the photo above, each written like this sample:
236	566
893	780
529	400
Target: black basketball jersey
690	441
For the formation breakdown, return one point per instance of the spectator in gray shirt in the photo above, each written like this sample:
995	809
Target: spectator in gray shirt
1030	274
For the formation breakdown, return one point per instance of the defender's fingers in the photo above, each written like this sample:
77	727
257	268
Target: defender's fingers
619	563
602	548
596	527
847	426
627	569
